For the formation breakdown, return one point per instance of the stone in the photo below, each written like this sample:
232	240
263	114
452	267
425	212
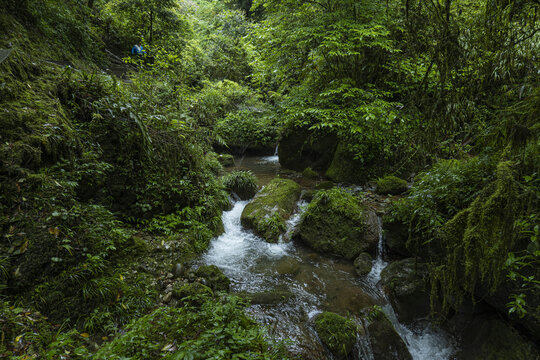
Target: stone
363	264
386	343
267	212
288	266
215	279
178	270
309	173
300	148
167	298
337	333
335	223
396	235
489	338
404	282
391	185
270	297
344	168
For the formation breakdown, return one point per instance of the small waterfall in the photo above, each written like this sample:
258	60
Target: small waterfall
308	284
423	340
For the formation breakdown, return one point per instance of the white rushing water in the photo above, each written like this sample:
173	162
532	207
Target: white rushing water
311	284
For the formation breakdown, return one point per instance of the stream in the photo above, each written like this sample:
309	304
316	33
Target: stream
289	284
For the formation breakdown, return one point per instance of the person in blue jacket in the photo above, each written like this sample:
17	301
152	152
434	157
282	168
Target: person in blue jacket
137	49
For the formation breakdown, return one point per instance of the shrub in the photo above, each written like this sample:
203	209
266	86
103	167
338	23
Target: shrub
218	329
242	183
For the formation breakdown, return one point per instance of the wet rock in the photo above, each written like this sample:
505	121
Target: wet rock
337	333
488	337
362	264
386	343
271	297
346	298
396	235
178	270
404	282
167	298
214	277
309	173
288	266
267	212
391	185
226	160
337	223
300	148
307	195
344	167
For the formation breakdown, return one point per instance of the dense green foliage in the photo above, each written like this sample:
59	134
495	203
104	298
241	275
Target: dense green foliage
108	174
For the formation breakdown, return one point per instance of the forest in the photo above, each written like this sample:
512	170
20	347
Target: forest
270	179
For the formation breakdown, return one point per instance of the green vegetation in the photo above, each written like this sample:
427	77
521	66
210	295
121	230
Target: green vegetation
242	183
109	173
337	333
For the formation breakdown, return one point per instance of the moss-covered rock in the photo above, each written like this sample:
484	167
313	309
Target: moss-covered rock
344	168
274	204
300	148
489	338
386	343
362	264
325	185
337	333
226	160
335	223
214	277
404	282
391	185
309	173
242	183
270	297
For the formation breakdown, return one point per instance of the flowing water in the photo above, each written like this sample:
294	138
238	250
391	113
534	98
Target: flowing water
290	284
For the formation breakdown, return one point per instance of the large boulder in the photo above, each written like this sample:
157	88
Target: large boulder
405	285
336	223
267	212
300	148
337	333
489	338
363	264
344	167
386	343
396	235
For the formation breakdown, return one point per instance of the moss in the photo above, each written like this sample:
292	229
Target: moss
334	223
344	168
214	277
477	240
337	333
325	185
242	183
309	173
391	185
267	213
